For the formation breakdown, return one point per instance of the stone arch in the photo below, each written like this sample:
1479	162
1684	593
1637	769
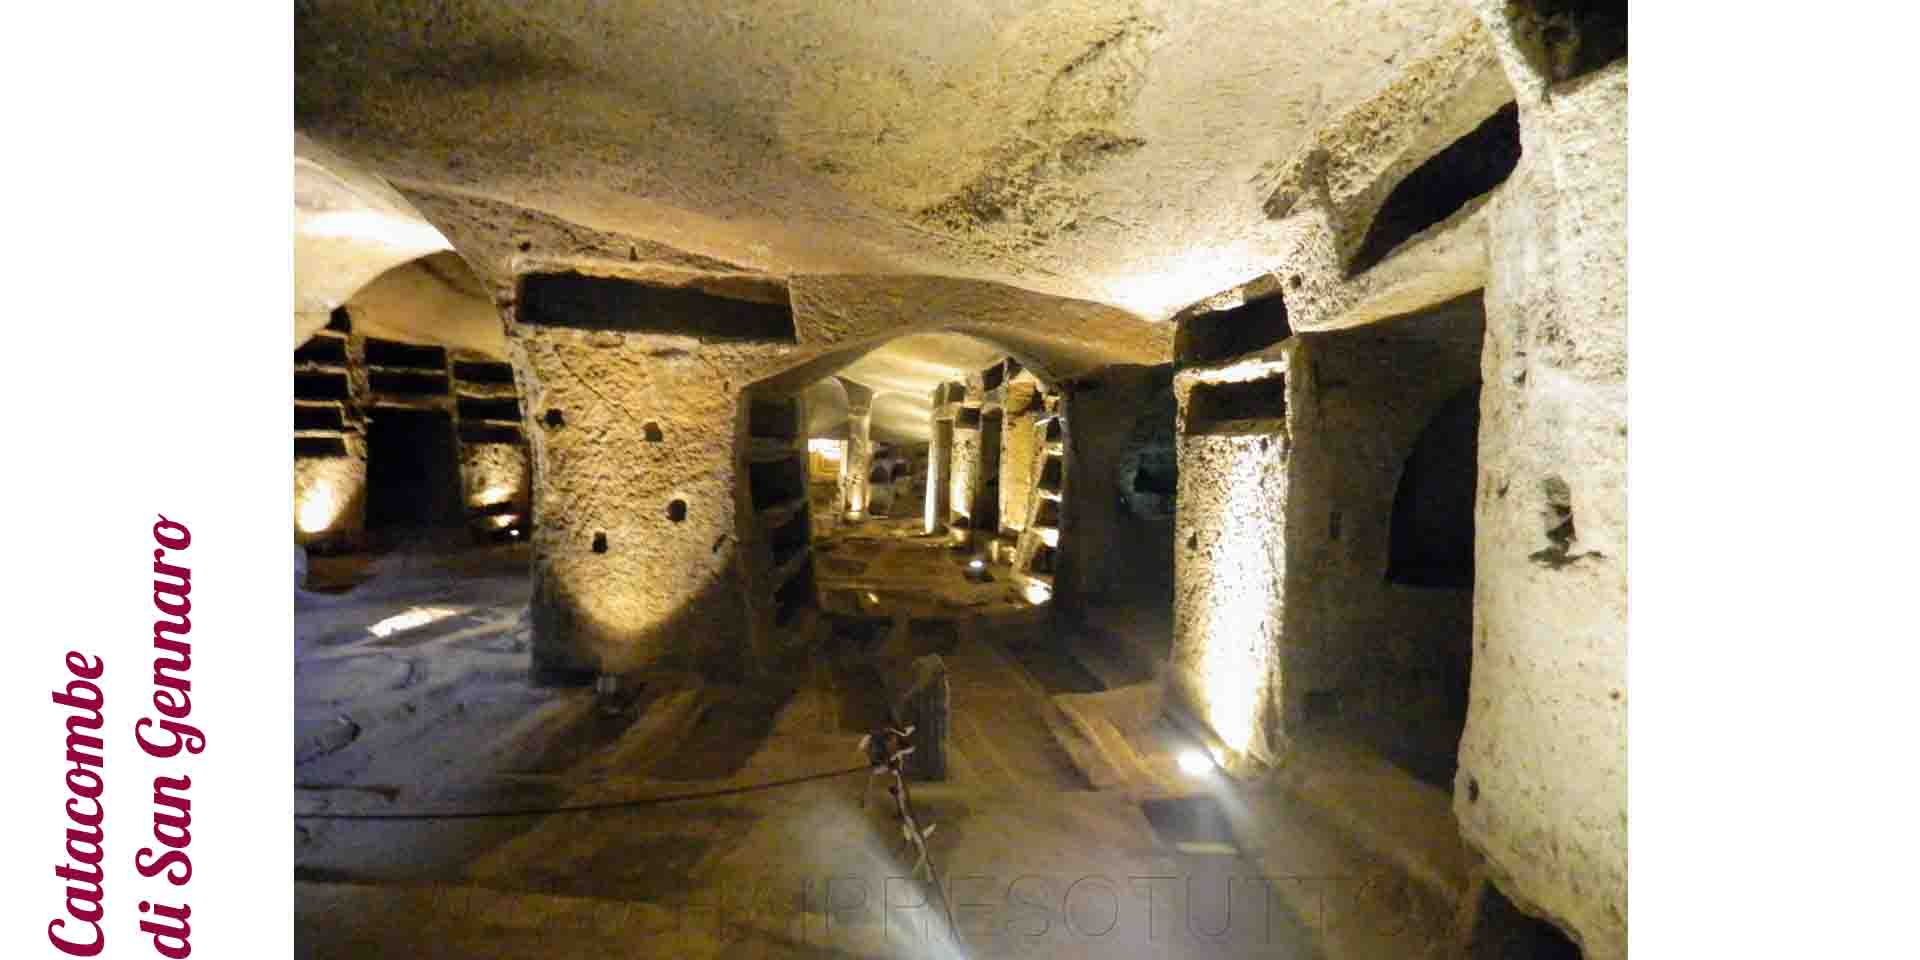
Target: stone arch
350	227
1430	542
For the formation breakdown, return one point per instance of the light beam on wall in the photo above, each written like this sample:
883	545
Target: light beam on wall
318	509
1236	667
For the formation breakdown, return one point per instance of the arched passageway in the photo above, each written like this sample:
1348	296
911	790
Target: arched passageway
408	428
924	460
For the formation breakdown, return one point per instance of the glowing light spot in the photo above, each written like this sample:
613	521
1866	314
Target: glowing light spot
976	564
1038	593
416	617
826	448
493	495
1195	763
318	510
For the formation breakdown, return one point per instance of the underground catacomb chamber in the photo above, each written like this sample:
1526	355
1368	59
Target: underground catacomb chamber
1070	443
931	467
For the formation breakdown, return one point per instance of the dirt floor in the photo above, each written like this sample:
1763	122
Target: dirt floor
1064	828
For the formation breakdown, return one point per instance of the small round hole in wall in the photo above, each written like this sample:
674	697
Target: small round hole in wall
653	432
599	543
553	418
1193	541
677	511
1473	790
1296	281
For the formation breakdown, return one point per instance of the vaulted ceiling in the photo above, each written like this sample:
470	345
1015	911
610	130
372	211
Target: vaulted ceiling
1109	150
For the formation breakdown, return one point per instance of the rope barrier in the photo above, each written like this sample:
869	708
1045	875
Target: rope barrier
581	807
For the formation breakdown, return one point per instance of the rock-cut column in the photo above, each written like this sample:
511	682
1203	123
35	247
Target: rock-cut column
855	490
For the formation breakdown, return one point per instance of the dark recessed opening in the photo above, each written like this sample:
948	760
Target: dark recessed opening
553	418
1321	705
1052	475
599	543
320	386
607	303
992	377
857	635
1156	484
1043	560
1055	431
773	419
407	384
881	473
1191	825
789	539
393	353
340	321
1158	474
793	596
986	498
1208	338
1465	169
479	371
1502	932
1431	542
776	482
413	472
330	351
1047	514
489	408
319	418
1248	406
652	432
968	418
318	447
1565	39
677	511
490	433
1556	516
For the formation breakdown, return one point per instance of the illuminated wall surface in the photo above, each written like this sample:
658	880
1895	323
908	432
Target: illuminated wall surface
1019	455
495	476
328	495
964	470
1230	559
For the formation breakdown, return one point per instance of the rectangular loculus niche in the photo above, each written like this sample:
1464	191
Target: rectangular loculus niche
1247	406
410	356
582	302
1221	335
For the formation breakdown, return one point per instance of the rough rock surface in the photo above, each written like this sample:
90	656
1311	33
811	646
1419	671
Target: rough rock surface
1101	149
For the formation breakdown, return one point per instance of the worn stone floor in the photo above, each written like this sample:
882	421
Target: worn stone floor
430	710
